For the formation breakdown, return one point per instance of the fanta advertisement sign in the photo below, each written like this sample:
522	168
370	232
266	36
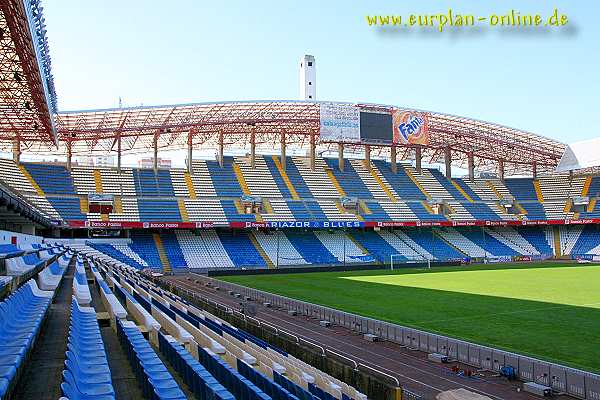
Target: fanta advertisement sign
410	127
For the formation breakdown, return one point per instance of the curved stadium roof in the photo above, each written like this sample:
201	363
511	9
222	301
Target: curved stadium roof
96	130
28	113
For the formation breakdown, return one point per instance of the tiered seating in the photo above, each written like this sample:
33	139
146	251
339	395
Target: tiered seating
87	374
143	244
317	181
447	184
538	239
559	186
464	185
117	254
458	241
398	211
401	246
293	175
232	214
279	249
588	241
205	209
400	182
491	245
194	250
431	185
424	246
67	207
338	244
81	290
155	379
512	239
241	250
569	236
375	245
330	210
521	188
422	213
481	211
365	173
173	250
223	178
220	348
535	210
349	180
51	178
158	210
260	180
198	379
49	278
21	317
375	213
17	266
216	249
310	248
150	183
594	189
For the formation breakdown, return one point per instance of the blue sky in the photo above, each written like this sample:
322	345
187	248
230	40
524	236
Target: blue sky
157	52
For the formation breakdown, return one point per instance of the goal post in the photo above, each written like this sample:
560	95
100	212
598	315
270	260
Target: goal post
403	261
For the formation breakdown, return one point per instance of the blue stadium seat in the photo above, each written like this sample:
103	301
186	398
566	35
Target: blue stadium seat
52	179
155	380
195	376
310	247
86	371
400	181
241	250
521	188
21	317
349	179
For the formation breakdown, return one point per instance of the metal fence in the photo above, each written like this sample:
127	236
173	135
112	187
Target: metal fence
578	383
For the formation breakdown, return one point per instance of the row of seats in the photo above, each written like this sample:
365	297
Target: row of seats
220	345
240	249
367	181
21	318
86	374
155	379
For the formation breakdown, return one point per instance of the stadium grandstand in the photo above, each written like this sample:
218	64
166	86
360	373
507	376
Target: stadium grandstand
267	185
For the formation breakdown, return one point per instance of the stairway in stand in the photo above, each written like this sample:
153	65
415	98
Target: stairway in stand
162	254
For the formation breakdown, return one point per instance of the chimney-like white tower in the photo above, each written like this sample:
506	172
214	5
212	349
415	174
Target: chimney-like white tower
308	78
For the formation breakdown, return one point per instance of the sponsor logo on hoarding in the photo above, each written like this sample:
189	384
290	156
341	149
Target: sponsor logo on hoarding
410	127
304	224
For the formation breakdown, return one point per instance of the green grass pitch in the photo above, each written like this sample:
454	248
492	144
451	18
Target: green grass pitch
546	310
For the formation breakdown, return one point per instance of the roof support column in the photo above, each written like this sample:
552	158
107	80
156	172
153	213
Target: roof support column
501	169
119	152
448	161
221	146
368	155
16	150
283	155
155	148
313	149
69	154
393	162
471	166
253	148
341	156
418	159
190	151
534	168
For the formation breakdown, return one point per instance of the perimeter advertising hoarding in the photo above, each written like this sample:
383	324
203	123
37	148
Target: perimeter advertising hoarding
339	123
